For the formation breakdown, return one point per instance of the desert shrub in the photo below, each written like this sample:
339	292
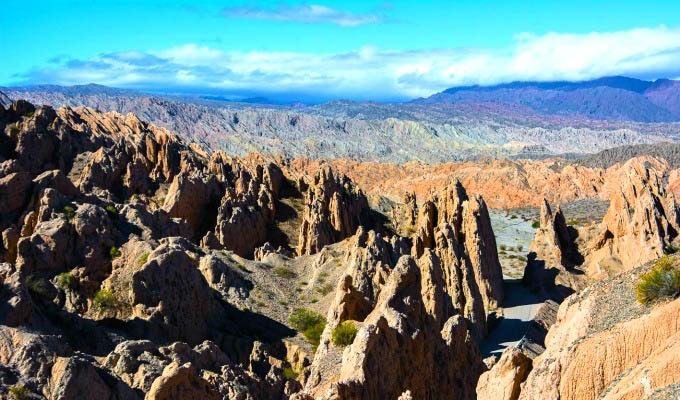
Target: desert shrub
310	323
503	247
143	259
69	212
313	333
662	281
111	211
535	224
38	286
114	252
289	373
520	248
19	392
313	300
344	334
325	289
513	216
66	280
284	273
104	300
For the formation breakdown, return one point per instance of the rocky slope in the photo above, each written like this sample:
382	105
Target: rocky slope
605	345
136	266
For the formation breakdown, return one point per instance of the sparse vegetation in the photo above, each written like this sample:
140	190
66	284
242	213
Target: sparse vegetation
143	259
111	211
104	300
513	216
535	224
310	323
19	392
66	281
289	373
325	289
284	273
663	281
520	248
69	212
503	247
114	252
38	286
344	334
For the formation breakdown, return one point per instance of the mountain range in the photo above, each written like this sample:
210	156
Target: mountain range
614	97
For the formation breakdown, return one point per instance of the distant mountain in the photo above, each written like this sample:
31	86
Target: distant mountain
617	98
4	100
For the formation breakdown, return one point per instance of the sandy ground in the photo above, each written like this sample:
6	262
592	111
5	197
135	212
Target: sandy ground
514	234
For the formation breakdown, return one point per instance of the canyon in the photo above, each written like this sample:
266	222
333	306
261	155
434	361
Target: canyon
140	263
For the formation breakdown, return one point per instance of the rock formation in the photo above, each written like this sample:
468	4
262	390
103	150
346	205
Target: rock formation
421	314
605	345
333	211
642	216
502	381
554	259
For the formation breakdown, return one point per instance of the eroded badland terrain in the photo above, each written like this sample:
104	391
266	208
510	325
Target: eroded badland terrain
135	264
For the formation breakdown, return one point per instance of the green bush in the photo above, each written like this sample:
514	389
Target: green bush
289	373
535	224
69	212
111	211
344	334
663	281
114	252
325	289
19	392
513	216
104	300
143	259
310	323
284	273
672	249
13	129
38	286
66	280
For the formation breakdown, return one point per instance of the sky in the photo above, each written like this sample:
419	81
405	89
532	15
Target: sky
322	50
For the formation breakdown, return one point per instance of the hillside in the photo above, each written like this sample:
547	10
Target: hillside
364	131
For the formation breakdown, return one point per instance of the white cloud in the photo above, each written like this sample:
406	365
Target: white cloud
307	13
372	73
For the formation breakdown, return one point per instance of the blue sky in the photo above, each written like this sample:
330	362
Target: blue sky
320	50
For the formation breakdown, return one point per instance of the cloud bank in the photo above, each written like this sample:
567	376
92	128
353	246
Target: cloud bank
306	13
372	73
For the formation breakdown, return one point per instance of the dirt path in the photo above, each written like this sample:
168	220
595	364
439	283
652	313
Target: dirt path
519	306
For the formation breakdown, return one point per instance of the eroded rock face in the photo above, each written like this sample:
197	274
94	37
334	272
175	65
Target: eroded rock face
333	211
401	332
421	316
554	259
641	223
605	345
502	382
457	230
